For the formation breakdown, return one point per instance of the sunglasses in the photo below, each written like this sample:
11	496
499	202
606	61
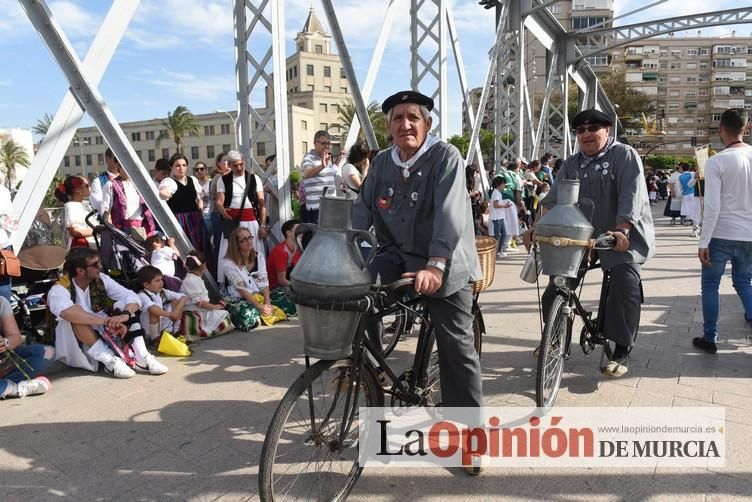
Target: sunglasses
241	240
200	169
96	265
589	128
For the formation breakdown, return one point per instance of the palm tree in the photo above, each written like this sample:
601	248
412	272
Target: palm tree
179	123
11	155
43	125
378	120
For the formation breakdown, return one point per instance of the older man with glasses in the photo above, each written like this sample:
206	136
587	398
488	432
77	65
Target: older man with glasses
612	178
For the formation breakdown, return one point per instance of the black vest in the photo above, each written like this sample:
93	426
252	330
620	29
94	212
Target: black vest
184	199
252	196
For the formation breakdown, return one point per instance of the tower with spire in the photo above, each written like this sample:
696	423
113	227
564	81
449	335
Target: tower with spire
313	38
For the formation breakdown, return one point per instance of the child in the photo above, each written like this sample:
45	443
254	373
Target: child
161	308
498	213
164	259
202	318
653	191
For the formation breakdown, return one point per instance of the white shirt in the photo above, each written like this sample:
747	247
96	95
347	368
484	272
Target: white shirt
75	216
96	192
59	297
238	189
132	200
204	195
172	186
164	259
674	185
495	213
5	210
149	299
728	196
241	279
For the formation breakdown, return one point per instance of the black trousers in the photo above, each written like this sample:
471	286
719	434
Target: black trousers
452	319
623	304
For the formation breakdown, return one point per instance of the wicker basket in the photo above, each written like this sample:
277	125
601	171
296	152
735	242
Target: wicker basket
487	247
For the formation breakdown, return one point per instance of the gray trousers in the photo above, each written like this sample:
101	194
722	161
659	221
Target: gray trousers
452	319
623	305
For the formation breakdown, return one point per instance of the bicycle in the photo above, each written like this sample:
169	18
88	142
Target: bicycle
311	447
556	339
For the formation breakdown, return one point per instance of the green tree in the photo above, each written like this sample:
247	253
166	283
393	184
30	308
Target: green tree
179	123
43	125
462	142
378	120
11	155
631	101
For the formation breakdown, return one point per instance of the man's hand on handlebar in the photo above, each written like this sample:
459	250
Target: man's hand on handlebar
427	281
622	241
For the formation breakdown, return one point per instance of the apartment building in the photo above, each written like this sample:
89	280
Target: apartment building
691	81
316	84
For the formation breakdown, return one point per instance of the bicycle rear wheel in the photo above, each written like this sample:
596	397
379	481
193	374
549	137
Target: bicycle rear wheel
396	326
305	455
551	354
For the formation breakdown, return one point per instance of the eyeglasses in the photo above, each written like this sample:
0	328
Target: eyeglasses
96	265
590	128
324	143
200	169
241	240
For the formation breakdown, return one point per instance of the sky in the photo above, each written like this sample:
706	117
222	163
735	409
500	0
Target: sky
181	52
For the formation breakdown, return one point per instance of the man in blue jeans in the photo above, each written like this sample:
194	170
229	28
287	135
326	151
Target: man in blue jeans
727	226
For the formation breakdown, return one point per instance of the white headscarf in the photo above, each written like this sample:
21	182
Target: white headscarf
407	164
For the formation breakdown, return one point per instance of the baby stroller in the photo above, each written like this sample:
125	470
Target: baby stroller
122	256
41	263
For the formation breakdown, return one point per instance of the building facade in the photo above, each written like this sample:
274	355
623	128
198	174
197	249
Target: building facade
691	81
316	85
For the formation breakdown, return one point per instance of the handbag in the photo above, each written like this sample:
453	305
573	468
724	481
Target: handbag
229	226
171	346
9	264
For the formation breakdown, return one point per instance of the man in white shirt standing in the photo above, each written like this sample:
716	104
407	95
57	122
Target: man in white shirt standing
96	193
727	226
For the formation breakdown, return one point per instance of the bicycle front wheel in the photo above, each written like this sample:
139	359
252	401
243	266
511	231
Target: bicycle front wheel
551	354
311	448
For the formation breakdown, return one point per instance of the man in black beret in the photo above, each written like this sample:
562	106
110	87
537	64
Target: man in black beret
611	176
416	199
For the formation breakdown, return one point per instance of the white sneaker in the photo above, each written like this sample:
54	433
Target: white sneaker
117	368
501	254
153	366
512	250
33	387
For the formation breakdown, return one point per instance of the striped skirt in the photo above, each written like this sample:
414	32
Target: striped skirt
194	228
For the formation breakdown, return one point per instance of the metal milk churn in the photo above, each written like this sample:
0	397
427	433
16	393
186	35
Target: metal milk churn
563	222
331	268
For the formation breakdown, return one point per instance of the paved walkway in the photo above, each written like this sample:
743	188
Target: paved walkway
196	433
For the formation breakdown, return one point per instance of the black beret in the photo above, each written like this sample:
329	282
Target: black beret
591	116
407	97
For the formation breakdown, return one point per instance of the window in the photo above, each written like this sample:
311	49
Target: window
149	135
675	65
99	140
303	125
343	90
225	128
342	73
100	159
209	130
319	49
689	132
135	136
138	154
674	79
226	148
579	23
87	140
261	148
689	105
715	117
309	70
165	153
691	66
703	66
327	71
66	161
151	156
323	126
676	53
295	71
673	93
555	8
210	152
194	152
323	107
692	52
310	88
704	52
77	159
649	77
88	159
691	79
327	88
673	106
163	133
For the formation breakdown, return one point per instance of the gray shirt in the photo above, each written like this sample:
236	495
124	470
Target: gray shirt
615	182
427	214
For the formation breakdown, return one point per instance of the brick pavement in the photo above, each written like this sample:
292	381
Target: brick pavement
196	433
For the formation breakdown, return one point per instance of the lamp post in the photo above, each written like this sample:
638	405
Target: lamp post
616	120
234	125
81	144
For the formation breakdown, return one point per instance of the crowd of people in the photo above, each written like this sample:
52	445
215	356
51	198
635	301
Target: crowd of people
402	194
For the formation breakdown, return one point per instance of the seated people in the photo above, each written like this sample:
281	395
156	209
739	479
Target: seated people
164	258
18	371
161	309
72	193
247	284
283	257
85	303
202	318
